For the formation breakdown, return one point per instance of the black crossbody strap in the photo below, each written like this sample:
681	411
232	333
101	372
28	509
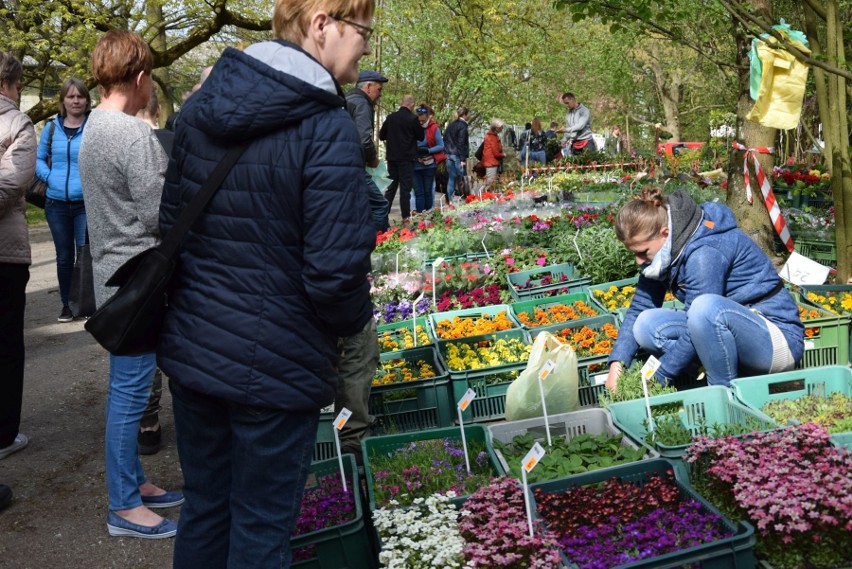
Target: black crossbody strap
171	242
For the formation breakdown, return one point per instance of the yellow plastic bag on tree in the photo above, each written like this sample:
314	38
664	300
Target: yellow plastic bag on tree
523	398
782	87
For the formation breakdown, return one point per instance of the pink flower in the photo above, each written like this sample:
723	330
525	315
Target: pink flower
510	261
541	261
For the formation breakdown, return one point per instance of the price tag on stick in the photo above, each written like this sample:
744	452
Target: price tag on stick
462	405
414	317
435	264
648	371
545	372
532	458
339	422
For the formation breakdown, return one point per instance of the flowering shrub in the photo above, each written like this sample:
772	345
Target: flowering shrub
618	522
324	505
423	535
792	484
434	466
557	313
402	370
493	524
402	339
465	326
490	353
801	177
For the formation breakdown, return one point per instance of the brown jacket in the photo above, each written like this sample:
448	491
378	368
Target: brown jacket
17	165
492	152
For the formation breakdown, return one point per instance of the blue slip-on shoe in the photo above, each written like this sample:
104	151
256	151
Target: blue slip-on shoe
167	500
119	527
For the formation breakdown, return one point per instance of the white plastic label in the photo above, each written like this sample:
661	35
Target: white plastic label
650	368
468	396
546	369
341	418
599	379
533	457
810	344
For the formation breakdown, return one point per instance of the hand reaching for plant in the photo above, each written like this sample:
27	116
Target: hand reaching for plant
615	369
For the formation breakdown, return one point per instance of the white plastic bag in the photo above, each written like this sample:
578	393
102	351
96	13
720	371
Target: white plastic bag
523	398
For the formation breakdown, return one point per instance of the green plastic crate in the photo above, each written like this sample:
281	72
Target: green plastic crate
736	551
825	289
633	281
490	402
473	313
823	252
422	321
829	345
413	405
346	546
713	404
324	447
529	307
565	425
755	392
386	444
582	362
516	334
575	282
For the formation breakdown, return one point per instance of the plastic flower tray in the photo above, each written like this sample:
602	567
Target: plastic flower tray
736	551
346	546
595	323
712	404
567	425
824	289
383	445
575	283
413	405
516	334
490	402
830	344
529	307
633	281
823	252
393	327
490	311
755	392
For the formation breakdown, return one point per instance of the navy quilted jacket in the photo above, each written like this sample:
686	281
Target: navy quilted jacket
276	268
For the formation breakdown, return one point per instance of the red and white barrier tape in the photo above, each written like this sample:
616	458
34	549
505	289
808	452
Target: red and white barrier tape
766	188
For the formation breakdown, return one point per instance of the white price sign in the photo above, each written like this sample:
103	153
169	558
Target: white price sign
342	417
533	457
546	369
466	399
650	368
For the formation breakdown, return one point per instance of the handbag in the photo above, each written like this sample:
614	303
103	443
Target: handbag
81	296
37	191
129	323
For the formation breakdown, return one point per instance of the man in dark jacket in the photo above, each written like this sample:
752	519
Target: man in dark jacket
361	101
401	132
457	146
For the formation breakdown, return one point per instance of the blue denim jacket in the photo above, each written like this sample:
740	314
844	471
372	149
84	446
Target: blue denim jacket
718	259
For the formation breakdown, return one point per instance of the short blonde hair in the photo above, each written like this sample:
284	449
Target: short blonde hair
496	124
118	58
291	18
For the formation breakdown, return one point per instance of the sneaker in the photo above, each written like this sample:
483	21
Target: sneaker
167	500
66	315
5	496
21	441
119	527
149	441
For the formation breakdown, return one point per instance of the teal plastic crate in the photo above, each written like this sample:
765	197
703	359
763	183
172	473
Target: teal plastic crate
413	405
472	313
529	307
393	330
823	252
346	546
383	445
564	425
837	291
736	551
755	392
324	447
490	402
711	405
535	278
828	343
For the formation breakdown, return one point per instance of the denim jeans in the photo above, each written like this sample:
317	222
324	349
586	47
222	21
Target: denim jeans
67	222
130	380
244	471
729	339
13	300
454	171
424	188
535	156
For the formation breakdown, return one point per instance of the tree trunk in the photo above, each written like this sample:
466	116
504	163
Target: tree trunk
154	11
753	218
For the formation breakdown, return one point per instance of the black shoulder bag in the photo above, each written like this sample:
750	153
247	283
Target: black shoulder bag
129	323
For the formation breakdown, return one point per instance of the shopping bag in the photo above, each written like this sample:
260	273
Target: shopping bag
81	297
523	398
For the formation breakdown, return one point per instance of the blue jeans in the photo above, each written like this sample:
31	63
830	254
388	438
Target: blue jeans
130	380
535	156
729	339
67	222
424	188
244	472
454	170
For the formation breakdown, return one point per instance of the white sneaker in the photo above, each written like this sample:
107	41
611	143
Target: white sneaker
21	441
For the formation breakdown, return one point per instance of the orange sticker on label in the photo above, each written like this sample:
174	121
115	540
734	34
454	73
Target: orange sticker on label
530	464
709	224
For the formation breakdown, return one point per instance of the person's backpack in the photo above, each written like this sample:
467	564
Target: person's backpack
478	153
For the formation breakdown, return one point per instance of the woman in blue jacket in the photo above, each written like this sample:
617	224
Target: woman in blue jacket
738	318
56	164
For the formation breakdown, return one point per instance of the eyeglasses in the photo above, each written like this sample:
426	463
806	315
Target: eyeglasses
365	31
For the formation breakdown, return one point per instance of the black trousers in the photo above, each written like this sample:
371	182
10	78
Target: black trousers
402	174
13	299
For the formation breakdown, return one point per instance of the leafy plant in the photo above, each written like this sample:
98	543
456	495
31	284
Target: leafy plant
669	430
565	456
596	252
629	387
834	413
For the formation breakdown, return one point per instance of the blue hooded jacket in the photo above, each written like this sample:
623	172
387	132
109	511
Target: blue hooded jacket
275	270
63	175
719	259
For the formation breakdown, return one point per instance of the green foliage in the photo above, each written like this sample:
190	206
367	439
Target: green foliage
669	430
629	387
834	412
596	252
